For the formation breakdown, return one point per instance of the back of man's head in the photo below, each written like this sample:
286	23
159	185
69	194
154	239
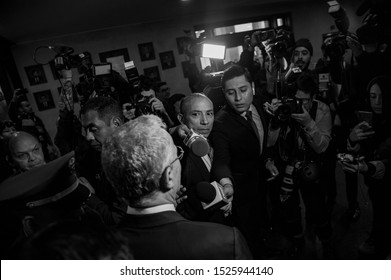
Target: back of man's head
233	72
134	157
106	107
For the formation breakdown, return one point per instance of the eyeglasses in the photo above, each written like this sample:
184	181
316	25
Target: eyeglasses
180	153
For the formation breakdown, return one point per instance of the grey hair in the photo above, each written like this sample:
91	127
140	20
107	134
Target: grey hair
135	156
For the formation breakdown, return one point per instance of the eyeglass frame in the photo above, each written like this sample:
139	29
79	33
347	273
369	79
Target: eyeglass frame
179	157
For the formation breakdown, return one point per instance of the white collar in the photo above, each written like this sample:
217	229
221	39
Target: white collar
150	210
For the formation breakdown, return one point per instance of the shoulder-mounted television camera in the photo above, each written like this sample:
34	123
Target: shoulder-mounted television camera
280	40
67	60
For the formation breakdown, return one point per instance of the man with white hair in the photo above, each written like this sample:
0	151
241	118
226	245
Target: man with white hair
143	165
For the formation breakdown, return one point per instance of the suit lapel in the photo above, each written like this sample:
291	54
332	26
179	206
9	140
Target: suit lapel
200	165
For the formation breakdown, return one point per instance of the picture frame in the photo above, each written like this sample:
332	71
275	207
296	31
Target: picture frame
44	100
152	73
35	74
181	43
167	60
104	56
117	58
146	51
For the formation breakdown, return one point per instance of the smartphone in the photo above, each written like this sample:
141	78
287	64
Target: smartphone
365	116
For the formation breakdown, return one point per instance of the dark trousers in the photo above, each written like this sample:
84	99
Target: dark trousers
314	198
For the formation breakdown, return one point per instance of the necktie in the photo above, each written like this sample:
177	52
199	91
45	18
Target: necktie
250	120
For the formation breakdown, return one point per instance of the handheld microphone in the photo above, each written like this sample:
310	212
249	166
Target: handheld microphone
211	195
197	144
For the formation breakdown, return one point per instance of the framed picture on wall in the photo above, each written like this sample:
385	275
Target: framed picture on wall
44	100
117	58
152	73
181	43
104	56
167	59
35	74
146	51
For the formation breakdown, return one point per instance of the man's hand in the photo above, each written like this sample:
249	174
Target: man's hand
360	132
271	167
180	130
358	167
228	191
181	195
304	118
157	105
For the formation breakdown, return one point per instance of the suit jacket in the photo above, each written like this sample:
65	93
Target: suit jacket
167	235
237	156
237	150
194	171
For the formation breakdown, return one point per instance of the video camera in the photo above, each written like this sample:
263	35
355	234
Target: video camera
142	105
289	106
280	41
335	42
65	59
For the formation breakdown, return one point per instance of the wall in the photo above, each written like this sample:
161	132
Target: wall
310	20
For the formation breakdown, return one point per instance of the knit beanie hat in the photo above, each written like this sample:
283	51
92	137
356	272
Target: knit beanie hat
306	44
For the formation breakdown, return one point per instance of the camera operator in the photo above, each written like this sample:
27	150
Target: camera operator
147	103
370	147
280	77
301	131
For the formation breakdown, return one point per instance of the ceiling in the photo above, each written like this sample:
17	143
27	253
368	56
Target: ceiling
23	21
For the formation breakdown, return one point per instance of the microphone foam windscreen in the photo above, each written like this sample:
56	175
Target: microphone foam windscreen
205	192
200	147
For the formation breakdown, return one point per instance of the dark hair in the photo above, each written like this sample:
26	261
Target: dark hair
76	240
307	83
175	98
6	124
233	72
106	107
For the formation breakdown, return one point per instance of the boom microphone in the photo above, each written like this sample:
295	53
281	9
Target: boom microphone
61	49
211	195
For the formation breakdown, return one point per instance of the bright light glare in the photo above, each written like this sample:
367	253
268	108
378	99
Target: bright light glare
213	51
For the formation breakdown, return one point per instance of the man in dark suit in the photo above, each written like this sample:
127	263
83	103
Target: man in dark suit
196	113
239	137
143	165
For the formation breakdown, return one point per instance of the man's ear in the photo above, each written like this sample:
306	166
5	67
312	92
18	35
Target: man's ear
115	122
180	118
167	180
28	225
